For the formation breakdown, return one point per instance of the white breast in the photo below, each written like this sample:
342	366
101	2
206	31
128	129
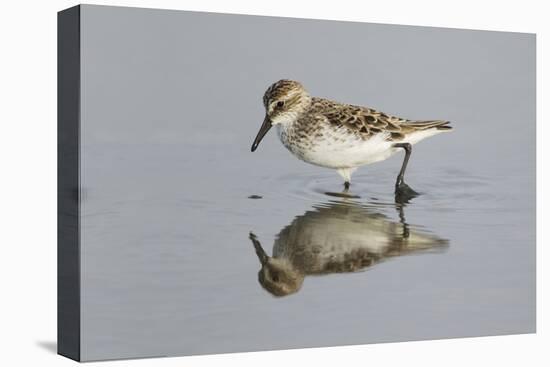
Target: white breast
336	148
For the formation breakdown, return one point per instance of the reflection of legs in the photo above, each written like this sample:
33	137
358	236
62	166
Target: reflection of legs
402	220
402	191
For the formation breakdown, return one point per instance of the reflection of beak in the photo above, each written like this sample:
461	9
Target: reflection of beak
263	130
259	250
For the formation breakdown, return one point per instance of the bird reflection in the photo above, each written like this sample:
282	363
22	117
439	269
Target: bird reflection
336	237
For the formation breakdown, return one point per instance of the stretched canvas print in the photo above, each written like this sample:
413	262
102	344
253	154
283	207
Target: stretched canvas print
233	183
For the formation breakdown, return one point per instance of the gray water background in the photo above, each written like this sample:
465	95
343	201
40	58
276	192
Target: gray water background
171	102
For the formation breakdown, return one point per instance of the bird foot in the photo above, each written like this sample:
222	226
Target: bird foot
344	194
404	193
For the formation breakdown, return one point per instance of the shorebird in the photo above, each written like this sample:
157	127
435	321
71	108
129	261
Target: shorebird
340	136
336	238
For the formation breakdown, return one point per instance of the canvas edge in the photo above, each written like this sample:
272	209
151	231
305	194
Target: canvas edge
68	183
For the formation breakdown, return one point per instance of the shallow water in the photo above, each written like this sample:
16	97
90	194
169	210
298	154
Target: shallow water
173	267
173	193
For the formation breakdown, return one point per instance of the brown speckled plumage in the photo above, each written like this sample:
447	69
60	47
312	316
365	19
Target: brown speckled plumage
358	120
338	135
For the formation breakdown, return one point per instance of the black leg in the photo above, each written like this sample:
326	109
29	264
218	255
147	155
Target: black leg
346	185
403	193
408	150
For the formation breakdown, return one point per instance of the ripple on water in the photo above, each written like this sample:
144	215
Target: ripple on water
439	190
319	187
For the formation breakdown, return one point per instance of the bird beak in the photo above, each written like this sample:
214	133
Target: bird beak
266	125
262	256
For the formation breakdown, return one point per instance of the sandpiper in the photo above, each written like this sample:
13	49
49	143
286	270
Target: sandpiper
337	237
340	136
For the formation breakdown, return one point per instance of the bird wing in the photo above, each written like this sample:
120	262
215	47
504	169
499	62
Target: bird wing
366	122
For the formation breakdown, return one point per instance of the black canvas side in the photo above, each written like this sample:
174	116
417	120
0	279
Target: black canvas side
68	187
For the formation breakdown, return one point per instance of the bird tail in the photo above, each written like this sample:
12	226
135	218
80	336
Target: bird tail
428	124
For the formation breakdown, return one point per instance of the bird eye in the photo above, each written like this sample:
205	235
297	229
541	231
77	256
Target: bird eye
280	104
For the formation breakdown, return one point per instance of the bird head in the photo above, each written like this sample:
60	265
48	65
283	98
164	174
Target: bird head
277	276
284	101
